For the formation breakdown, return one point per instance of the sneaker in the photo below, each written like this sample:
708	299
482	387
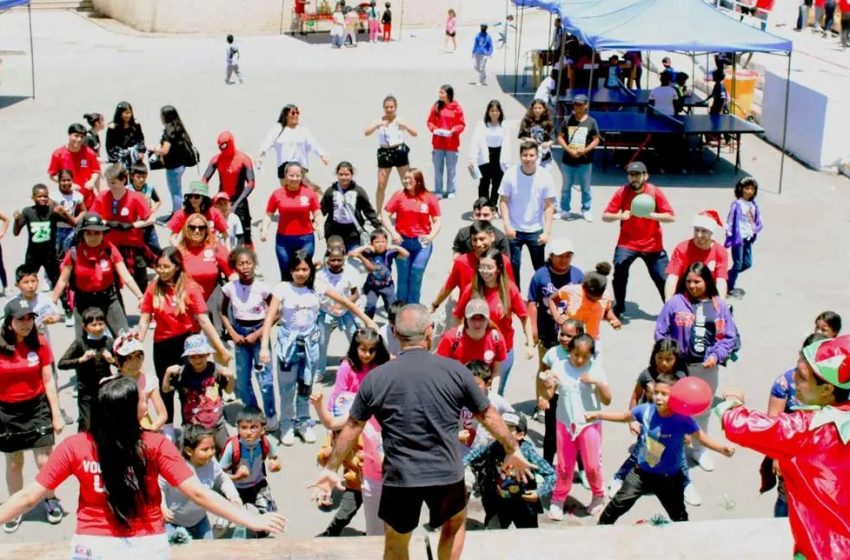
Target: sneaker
288	437
272	424
584	482
75	392
307	434
538	415
451	195
586	215
692	497
69	320
561	215
556	512
12	525
66	417
614	487
596	505
55	513
704	459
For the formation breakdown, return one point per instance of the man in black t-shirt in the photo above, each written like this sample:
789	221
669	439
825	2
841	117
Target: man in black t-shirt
579	135
482	209
417	399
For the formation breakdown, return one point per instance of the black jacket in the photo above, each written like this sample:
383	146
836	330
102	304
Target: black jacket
363	209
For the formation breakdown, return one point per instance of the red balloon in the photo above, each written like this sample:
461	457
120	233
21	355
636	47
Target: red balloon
690	396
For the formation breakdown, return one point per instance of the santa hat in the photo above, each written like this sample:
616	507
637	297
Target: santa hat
830	360
708	219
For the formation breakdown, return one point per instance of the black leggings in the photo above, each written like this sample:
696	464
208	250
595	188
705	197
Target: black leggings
244	214
167	353
491	176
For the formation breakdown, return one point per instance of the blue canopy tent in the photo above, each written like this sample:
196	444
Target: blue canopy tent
5	5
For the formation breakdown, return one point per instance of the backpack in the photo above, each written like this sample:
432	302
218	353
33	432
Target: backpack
236	446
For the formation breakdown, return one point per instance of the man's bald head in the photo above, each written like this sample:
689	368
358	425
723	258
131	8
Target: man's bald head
413	326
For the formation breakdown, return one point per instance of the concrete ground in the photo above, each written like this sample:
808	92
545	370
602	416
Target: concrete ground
801	259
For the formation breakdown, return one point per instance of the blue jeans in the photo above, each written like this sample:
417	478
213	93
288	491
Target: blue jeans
285	247
780	508
449	159
742	259
387	293
507	365
535	250
345	323
201	531
174	178
576	175
412	269
656	263
248	364
294	396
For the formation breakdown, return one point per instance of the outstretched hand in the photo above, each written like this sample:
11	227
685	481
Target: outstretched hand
520	465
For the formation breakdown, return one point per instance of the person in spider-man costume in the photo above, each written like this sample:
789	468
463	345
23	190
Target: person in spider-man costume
236	176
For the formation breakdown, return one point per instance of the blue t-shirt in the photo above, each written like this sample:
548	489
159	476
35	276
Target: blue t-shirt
250	456
543	285
662	439
382	276
784	388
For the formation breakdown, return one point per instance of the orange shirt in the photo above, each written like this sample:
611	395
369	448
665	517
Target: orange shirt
573	304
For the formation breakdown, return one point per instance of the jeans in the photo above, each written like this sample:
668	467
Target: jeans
174	178
201	531
345	323
481	67
294	395
412	269
670	491
576	175
656	263
337	41
387	293
449	160
507	365
535	250
285	247
742	259
248	364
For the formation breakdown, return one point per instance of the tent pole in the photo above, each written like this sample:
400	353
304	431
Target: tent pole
401	22
734	103
560	75
507	27
518	51
785	123
648	67
590	85
32	52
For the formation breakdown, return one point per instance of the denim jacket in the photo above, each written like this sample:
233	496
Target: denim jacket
287	344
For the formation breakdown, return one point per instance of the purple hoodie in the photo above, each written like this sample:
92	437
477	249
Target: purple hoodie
677	318
733	224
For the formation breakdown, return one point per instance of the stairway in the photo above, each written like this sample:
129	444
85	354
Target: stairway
78	5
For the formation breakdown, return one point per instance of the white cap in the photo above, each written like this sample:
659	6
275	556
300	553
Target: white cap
560	246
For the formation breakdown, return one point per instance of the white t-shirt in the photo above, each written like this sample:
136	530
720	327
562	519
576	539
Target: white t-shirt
546	89
69	202
234	229
299	306
493	135
390	135
292	144
469	422
341	282
748	224
576	398
664	96
528	194
248	301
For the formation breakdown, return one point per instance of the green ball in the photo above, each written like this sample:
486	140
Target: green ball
643	205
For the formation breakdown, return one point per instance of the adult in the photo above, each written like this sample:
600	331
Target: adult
419	415
527	203
416	212
537	126
393	152
176	152
640	236
236	179
29	403
92	268
446	123
489	150
96	126
700	248
347	208
292	142
127	213
703	325
80	160
578	136
197	201
477	338
176	303
118	466
125	141
809	445
482	210
492	284
482	50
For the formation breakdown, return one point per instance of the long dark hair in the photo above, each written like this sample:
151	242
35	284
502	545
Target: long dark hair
284	113
701	270
120	451
119	122
366	335
8	340
663	345
171	119
494	103
450	94
188	209
301	256
545	121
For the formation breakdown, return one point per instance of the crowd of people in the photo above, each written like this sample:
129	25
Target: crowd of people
403	422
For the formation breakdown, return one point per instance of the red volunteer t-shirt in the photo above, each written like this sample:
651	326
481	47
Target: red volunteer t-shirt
686	252
77	456
20	372
169	321
131	208
413	213
94	267
639	234
463	348
215	219
464	268
83	164
497	315
293	210
205	264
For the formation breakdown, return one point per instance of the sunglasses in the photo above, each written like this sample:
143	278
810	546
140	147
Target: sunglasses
197	228
195	196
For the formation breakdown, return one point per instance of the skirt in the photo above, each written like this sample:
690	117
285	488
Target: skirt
26	425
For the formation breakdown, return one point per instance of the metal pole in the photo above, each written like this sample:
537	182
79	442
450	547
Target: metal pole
518	51
401	23
785	124
32	50
590	85
734	103
507	28
648	67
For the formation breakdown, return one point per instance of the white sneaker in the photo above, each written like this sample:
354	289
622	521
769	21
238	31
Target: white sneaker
307	434
451	195
556	512
559	215
288	437
272	424
69	320
704	459
587	216
596	505
614	487
692	497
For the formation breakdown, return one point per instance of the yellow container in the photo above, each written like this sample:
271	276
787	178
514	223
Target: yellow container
741	96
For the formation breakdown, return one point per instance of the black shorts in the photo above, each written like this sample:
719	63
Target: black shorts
451	34
26	425
397	156
400	507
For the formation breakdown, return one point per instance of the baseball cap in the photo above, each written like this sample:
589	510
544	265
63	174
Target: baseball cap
126	344
516	419
476	306
197	187
636	167
561	246
221	195
18	308
196	345
580	99
93	222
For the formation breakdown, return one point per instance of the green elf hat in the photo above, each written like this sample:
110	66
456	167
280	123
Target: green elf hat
830	360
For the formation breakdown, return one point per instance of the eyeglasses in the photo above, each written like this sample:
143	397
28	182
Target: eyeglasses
197	228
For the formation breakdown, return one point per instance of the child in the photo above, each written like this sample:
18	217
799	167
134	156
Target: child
343	280
586	302
352	22
365	352
582	387
659	465
387	22
232	57
41	220
743	224
246	457
90	356
72	202
374	23
235	232
198	445
386	330
828	324
199	382
514	501
378	259
469	433
612	80
3	279
139	181
244	307
130	357
451	30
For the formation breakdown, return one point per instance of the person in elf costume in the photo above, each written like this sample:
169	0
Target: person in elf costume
811	445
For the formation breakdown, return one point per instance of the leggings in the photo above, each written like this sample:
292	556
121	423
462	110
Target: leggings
167	353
